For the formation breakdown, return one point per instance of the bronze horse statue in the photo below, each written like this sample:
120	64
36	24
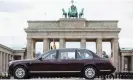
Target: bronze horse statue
64	13
81	13
72	12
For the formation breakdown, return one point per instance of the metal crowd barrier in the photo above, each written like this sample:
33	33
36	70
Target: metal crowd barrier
4	76
117	75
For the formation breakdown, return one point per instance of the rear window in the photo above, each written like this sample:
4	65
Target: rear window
83	54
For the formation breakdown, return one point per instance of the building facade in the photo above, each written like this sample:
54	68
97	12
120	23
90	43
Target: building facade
71	29
74	29
6	55
126	58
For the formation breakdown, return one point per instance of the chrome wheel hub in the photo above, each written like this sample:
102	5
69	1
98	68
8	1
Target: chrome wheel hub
20	72
90	72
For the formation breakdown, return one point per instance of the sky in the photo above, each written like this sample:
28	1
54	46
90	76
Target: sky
14	15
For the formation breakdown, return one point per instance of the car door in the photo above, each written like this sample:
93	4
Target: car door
67	62
84	56
45	64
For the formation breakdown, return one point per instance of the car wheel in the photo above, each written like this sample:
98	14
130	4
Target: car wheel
20	72
89	72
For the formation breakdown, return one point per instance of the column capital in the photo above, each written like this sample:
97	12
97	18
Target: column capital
122	55
99	38
62	38
28	38
45	38
83	38
115	39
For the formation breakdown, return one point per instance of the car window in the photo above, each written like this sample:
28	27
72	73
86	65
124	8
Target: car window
64	54
50	55
83	54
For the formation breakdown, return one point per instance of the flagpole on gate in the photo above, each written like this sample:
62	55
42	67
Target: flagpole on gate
54	45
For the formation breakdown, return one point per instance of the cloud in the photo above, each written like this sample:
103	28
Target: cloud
15	13
13	5
13	41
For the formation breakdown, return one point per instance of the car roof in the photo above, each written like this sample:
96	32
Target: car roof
71	49
78	49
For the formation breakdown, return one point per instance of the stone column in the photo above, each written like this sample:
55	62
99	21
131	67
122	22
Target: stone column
119	57
115	51
62	43
1	62
34	46
4	62
12	57
122	63
21	57
45	45
132	62
7	60
83	43
99	46
30	48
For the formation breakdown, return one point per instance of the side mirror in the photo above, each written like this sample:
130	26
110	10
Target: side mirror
40	58
10	60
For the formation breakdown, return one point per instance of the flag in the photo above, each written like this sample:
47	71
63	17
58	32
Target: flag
54	45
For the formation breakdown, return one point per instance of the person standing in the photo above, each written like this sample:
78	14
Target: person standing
104	55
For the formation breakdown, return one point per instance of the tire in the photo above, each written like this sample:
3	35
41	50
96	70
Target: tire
20	72
89	72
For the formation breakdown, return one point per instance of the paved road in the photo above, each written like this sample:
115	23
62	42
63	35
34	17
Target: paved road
65	79
73	79
78	79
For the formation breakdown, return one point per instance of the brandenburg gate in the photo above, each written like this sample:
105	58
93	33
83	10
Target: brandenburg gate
74	28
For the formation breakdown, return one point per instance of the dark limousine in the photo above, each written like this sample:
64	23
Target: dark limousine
69	62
